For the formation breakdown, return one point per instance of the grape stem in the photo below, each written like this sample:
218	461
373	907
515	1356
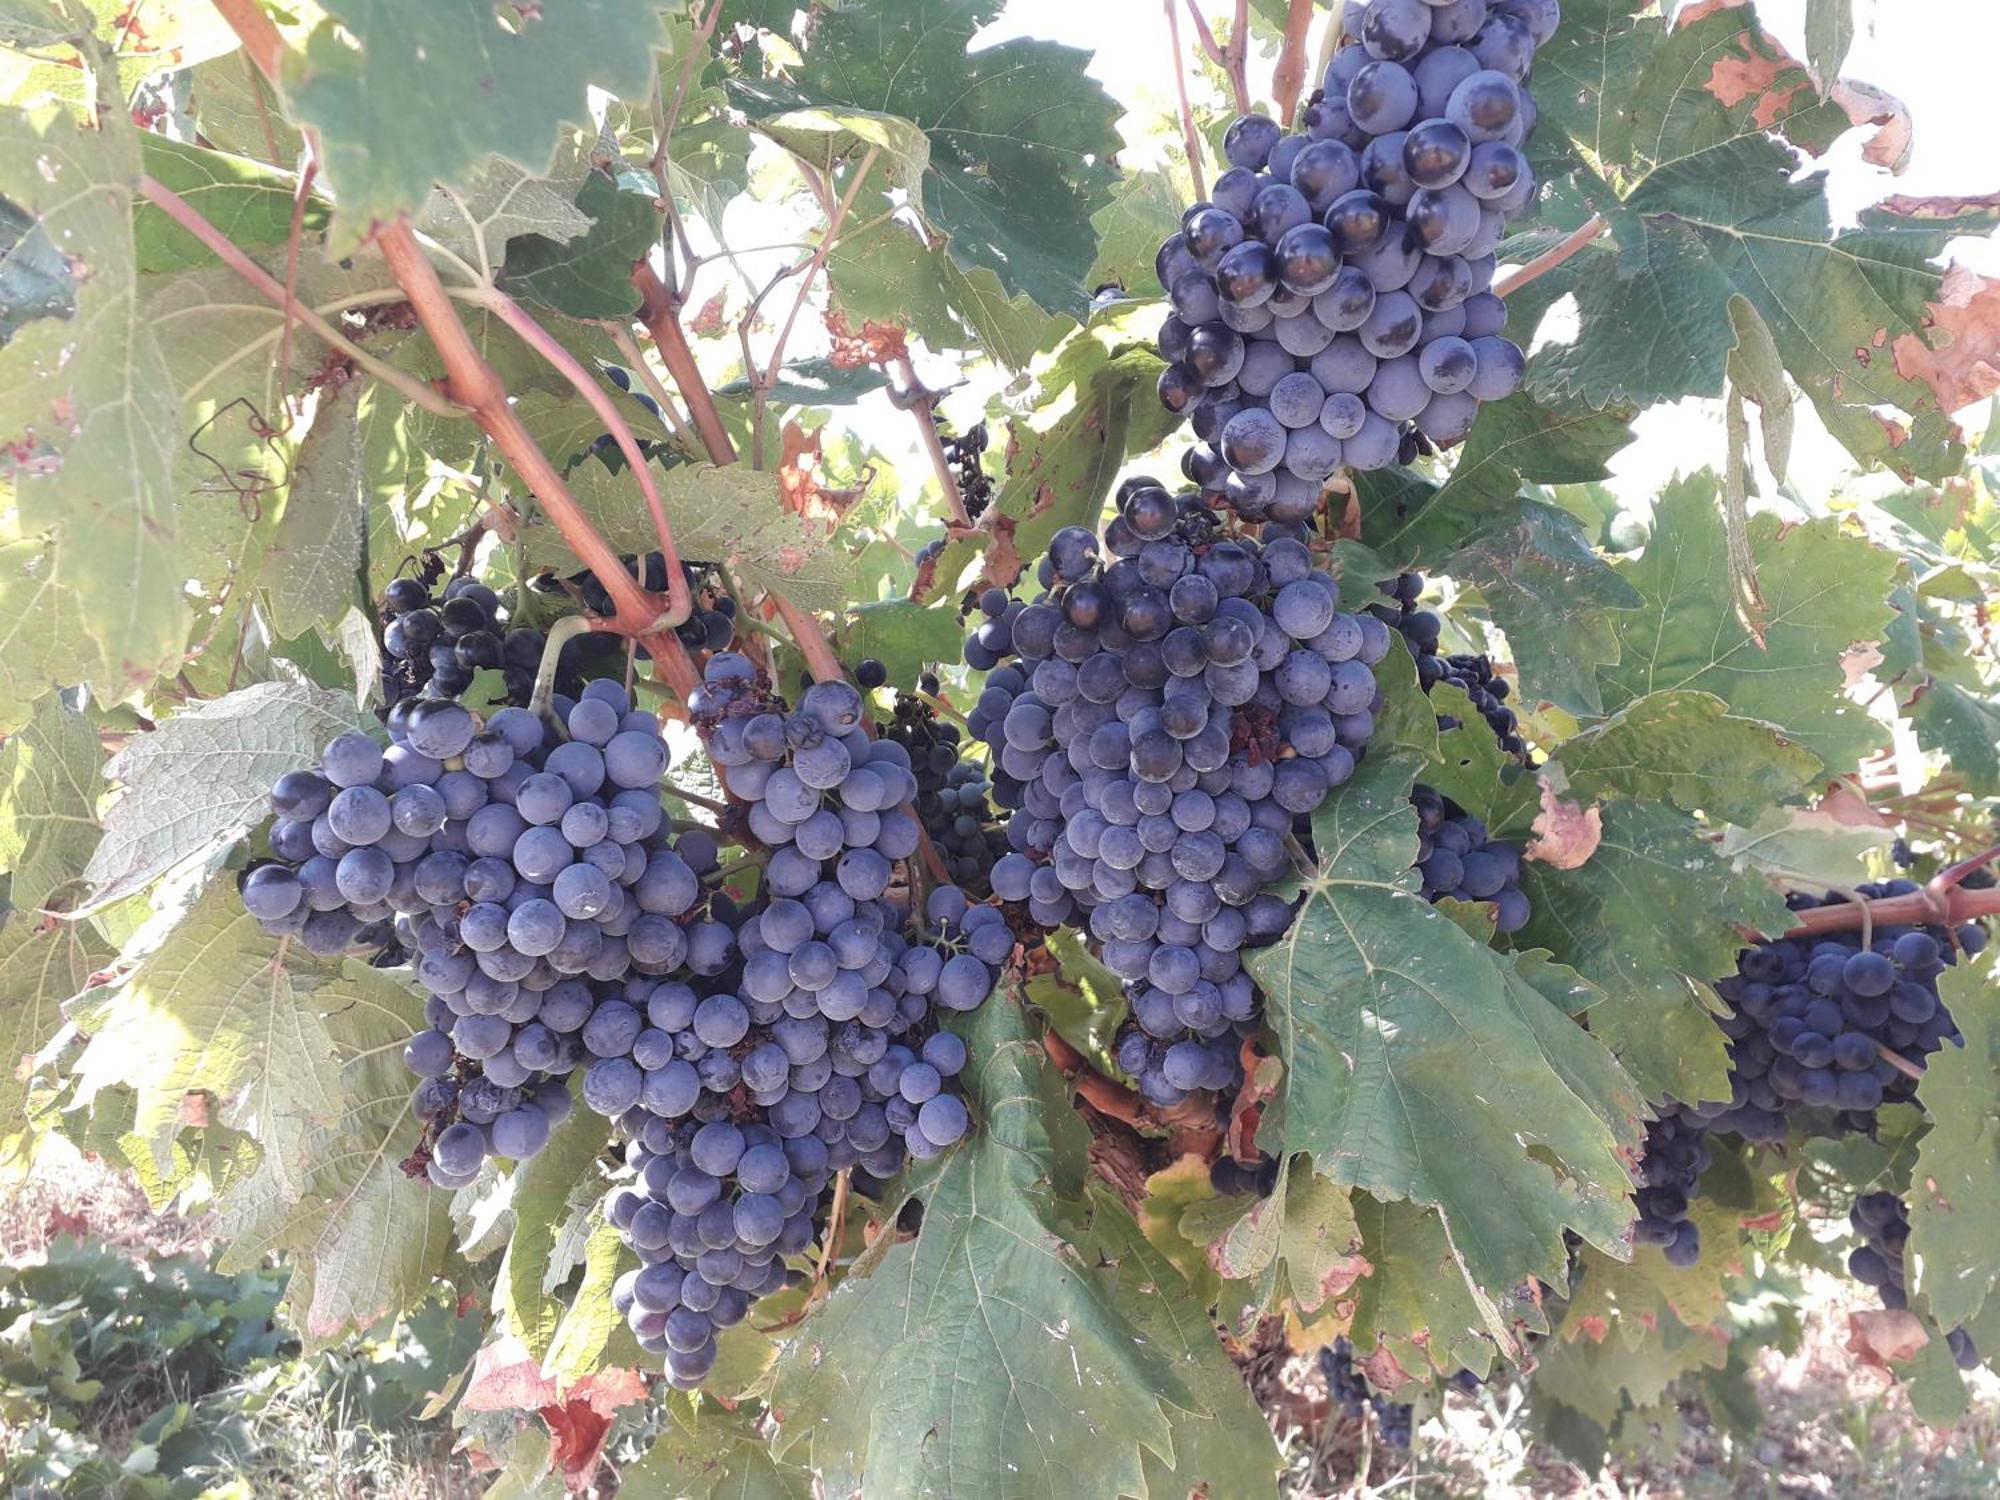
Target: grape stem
1233	59
185	214
659	311
693	799
836	1222
561	633
473	381
1190	138
1289	78
1944	902
1572	244
923	402
538	338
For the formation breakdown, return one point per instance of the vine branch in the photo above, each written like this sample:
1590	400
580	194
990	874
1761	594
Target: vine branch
1289	79
1190	138
679	604
923	403
1548	260
659	310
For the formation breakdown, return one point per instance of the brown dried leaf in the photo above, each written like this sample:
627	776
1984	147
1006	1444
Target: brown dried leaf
1883	1337
875	344
1566	834
1895	134
1966	367
800	467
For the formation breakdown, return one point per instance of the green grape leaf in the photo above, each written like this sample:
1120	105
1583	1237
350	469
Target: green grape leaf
203	777
49	784
1022	139
492	90
592	1336
1223	1446
1407	521
40	59
500	203
1624	1299
1144	211
1551	592
890	273
87	420
707	1452
814	382
590	275
35	280
363	1240
43	965
1695	131
733	516
1416	1306
1598	1377
310	572
1951	1228
905	636
1829	33
1825	590
218	1007
1301	1243
239	111
1417	1060
1966	727
991	1355
1684	748
1803	847
248	201
828	139
1652	917
551	1192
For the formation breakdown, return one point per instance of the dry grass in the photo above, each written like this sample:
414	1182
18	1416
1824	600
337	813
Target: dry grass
69	1193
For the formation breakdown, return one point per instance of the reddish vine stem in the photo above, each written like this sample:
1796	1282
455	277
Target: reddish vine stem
1289	79
472	380
659	310
1572	245
924	405
1233	59
1933	906
679	603
1190	138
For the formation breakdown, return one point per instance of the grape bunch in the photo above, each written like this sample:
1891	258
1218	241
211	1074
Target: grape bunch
793	1037
1676	1154
1456	859
712	625
1348	1389
1817	1019
1472	675
1883	1222
437	644
527	870
1333	297
1161	722
965	453
954	795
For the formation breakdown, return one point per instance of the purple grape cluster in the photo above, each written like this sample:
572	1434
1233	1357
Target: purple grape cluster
794	1037
1349	1389
527	867
1162	723
1675	1155
1333	295
1817	1019
1471	674
1883	1222
1817	1027
1458	861
954	795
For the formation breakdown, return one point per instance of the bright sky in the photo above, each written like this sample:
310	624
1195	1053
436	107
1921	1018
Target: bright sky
1937	56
